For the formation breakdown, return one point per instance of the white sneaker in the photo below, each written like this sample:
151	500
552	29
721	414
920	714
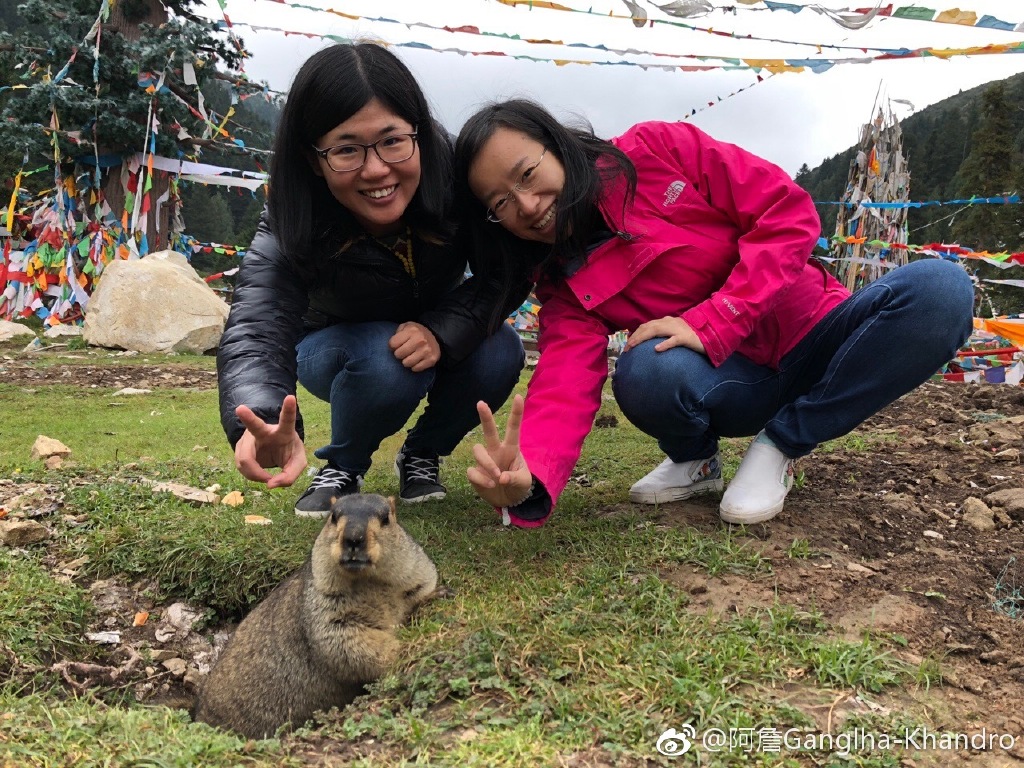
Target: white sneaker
671	481
759	489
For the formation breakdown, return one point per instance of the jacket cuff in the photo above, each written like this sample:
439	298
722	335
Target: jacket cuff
531	512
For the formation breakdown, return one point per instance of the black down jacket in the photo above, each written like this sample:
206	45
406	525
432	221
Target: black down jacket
274	306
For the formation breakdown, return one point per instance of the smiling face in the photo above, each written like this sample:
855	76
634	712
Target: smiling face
510	161
378	193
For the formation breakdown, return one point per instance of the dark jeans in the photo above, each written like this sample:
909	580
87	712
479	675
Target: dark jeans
880	343
372	395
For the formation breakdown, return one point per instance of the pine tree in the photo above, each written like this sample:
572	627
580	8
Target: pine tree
209	216
989	171
87	95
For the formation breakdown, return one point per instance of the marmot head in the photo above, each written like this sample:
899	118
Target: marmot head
358	519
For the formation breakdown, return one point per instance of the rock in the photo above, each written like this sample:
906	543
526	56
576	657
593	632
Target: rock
858	568
1010	499
1002	519
232	499
978	515
132	391
1009	454
993	434
9	330
258	520
194	496
21	533
193	679
899	502
63	330
967	681
997	656
104	638
175	666
177	622
44	447
154	304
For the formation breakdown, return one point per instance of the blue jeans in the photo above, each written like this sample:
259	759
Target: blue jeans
372	395
880	343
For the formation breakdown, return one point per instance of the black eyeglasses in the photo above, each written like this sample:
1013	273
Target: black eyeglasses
351	157
500	210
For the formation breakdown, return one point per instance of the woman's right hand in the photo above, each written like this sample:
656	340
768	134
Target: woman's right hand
264	445
500	477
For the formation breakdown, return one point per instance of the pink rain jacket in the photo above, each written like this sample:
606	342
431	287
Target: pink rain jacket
716	236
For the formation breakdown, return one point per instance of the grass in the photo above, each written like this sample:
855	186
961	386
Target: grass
561	641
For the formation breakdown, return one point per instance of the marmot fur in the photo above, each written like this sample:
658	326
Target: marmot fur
327	630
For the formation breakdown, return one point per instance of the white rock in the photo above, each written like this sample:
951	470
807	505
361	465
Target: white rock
64	329
154	304
9	330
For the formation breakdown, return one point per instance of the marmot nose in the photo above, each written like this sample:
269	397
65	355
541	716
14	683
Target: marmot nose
355	542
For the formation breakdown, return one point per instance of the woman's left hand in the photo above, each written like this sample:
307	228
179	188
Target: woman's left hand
415	346
677	333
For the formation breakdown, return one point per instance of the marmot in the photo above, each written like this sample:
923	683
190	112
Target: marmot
327	630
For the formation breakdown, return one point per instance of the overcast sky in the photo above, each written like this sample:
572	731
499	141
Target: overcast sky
790	118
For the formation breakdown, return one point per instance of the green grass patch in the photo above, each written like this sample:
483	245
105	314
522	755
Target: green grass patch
40	618
37	732
560	641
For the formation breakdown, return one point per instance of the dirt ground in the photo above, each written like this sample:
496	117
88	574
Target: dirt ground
917	536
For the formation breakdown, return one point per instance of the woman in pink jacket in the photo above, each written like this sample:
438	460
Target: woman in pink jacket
701	251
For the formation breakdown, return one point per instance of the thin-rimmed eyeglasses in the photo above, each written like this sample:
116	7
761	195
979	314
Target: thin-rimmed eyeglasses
526	182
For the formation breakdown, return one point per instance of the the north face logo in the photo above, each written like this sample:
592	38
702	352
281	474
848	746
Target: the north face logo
675	189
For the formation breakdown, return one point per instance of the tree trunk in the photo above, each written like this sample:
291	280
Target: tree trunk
127	15
125	18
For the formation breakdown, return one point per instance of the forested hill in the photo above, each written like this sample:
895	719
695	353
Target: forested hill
971	144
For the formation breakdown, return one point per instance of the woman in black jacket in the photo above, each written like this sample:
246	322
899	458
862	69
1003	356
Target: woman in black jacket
355	285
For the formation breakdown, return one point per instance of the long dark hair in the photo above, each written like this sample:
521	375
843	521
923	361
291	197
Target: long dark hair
590	163
331	86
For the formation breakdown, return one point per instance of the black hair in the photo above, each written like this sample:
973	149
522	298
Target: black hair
331	86
590	164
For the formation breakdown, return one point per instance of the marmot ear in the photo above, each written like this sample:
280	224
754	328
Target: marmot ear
336	512
392	511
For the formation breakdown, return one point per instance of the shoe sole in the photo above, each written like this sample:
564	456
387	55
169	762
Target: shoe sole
740	518
312	513
424	497
675	494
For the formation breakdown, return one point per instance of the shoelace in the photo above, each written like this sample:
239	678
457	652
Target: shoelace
328	476
419	468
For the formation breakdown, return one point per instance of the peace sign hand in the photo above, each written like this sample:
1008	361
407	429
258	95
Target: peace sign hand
265	445
500	477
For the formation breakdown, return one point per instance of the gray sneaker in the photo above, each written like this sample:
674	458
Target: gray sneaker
329	484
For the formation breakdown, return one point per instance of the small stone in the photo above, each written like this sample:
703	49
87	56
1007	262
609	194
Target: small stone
858	568
45	447
978	515
21	533
195	496
175	666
